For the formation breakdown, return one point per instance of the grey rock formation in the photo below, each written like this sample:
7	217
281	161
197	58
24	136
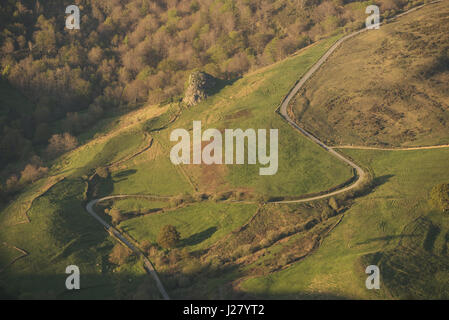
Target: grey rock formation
200	84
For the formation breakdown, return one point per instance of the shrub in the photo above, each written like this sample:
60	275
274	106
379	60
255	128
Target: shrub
186	198
168	237
327	213
116	215
439	196
119	254
60	143
174	257
145	245
201	197
32	173
242	251
223	196
150	249
240	196
161	261
263	198
333	203
185	254
12	184
102	172
174	202
180	199
264	243
192	267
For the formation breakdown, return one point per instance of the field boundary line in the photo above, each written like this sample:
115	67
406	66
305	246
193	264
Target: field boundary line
23	252
440	146
180	168
29	203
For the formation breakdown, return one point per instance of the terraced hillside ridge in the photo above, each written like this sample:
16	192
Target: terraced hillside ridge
385	88
248	102
116	157
394	226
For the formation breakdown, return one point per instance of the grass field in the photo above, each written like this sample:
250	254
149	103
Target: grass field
250	102
138	205
384	87
378	222
60	234
247	103
200	224
150	174
99	154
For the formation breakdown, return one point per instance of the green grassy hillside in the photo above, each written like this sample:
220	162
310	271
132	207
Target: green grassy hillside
233	244
400	102
394	227
60	234
247	103
200	224
250	103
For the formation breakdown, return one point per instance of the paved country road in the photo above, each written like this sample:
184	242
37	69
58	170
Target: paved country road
147	264
283	111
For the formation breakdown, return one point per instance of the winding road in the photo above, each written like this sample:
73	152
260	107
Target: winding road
147	264
283	111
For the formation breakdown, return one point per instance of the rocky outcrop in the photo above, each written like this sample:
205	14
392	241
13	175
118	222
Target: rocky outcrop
200	84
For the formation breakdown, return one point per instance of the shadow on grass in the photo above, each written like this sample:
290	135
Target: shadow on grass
432	234
386	238
373	185
103	187
198	237
200	282
124	174
220	84
378	181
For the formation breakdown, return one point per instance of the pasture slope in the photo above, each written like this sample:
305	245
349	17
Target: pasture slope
59	232
394	226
